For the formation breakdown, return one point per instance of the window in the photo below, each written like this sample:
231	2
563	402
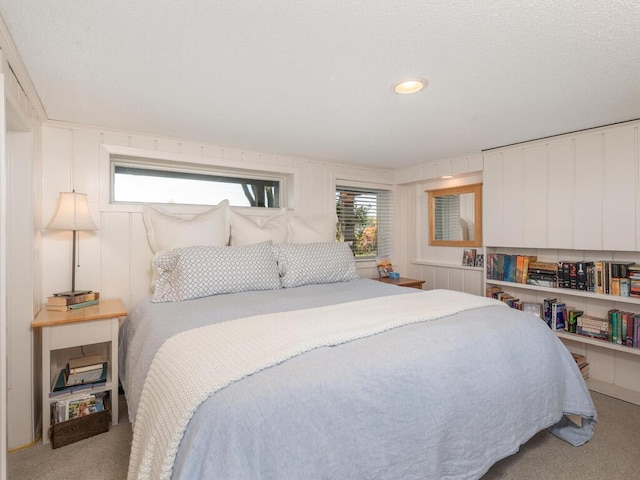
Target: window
137	182
365	218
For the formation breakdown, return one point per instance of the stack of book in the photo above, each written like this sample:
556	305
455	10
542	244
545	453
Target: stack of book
593	327
581	361
542	274
634	280
63	302
80	373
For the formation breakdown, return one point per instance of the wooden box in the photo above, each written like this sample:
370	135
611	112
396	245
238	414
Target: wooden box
65	433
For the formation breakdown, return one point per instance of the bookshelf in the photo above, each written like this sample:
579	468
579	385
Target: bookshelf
62	332
614	369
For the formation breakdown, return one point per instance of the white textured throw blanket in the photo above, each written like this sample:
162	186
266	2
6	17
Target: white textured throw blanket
193	365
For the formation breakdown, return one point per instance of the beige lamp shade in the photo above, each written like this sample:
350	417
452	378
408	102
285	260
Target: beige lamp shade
72	213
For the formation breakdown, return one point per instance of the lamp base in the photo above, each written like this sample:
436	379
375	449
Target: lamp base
71	293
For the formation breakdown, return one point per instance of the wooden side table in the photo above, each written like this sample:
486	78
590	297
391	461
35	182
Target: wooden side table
75	328
402	282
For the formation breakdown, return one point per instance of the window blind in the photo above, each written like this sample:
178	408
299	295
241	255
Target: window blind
447	225
365	219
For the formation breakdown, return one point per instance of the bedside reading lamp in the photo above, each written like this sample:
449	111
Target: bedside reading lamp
72	214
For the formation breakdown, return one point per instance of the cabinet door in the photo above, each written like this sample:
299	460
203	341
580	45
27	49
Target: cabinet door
587	218
513	212
492	199
619	202
560	194
535	196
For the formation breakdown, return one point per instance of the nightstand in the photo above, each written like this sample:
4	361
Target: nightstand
402	282
96	324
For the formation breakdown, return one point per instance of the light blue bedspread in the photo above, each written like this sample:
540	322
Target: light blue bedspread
443	399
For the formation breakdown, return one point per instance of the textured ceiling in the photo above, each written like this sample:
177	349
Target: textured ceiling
313	78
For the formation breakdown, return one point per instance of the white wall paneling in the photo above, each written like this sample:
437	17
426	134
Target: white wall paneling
437	266
587	199
559	211
18	279
577	191
513	188
534	196
462	279
20	289
619	194
492	199
3	286
116	259
457	166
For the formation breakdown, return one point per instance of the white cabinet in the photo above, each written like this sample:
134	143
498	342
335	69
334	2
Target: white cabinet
575	192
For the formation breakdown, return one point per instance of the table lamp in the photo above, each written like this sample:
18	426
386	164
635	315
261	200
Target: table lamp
72	214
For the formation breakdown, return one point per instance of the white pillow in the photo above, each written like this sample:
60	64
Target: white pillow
312	230
167	231
311	263
195	272
245	231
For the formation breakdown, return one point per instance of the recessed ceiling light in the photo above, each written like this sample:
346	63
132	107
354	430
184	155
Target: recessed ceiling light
447	176
410	85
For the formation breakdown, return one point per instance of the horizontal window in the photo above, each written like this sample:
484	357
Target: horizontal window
135	183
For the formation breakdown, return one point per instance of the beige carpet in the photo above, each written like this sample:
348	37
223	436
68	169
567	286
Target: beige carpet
613	453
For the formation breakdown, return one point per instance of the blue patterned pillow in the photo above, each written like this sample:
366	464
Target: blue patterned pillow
194	272
309	263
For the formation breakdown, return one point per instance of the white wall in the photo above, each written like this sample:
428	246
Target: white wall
116	259
439	267
20	268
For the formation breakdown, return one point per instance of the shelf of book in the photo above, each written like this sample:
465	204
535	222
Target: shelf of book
566	291
576	293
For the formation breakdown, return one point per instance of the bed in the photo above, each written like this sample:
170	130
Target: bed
322	374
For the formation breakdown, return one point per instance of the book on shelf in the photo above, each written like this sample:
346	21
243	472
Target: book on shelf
86	376
541	283
510	267
572	319
547	310
84	363
544	267
65	308
581	275
60	386
558	311
620	327
581	361
63	300
469	257
615	278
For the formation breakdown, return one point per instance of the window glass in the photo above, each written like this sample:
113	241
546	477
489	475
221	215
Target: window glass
134	183
365	219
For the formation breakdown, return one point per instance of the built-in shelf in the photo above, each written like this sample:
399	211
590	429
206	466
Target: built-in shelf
566	291
615	366
447	265
611	390
598	343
